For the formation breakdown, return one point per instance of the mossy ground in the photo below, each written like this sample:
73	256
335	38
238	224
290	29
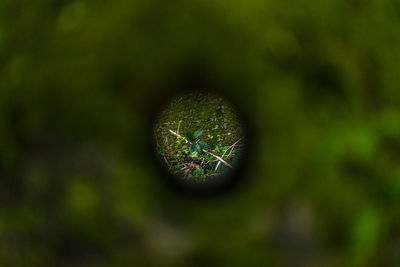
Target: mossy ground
208	112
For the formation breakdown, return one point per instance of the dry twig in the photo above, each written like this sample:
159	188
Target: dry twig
177	131
232	147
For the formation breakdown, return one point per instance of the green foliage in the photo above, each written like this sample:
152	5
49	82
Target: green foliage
197	133
198	173
204	144
184	154
192	148
197	145
198	148
189	135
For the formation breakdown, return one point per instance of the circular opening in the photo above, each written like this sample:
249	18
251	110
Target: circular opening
199	139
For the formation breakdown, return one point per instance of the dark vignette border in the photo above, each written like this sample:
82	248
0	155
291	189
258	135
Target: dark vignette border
194	78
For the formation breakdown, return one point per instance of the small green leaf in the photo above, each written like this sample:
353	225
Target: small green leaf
197	133
192	148
189	135
204	144
198	148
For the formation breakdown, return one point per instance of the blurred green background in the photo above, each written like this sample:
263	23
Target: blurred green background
81	80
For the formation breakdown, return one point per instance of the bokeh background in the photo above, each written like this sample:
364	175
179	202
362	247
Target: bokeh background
80	82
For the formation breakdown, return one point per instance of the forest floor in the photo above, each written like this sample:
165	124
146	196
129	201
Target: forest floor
199	136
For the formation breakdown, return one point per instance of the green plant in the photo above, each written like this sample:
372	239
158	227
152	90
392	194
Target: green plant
198	173
197	145
220	150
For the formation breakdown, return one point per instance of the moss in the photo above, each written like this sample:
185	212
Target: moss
205	111
197	111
